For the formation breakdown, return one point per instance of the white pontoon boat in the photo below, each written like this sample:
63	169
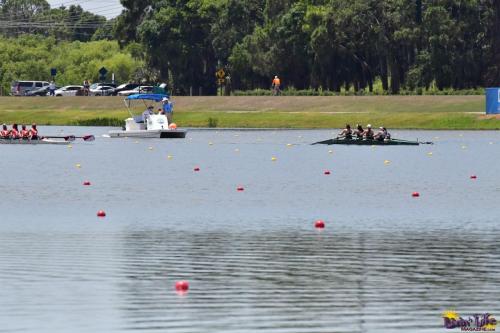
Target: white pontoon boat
153	126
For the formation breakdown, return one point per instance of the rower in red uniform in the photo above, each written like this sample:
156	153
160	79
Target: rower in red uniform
5	133
24	134
34	132
14	132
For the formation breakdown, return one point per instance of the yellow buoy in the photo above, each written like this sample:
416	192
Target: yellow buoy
273	158
78	165
70	146
210	143
170	157
429	153
289	145
387	162
330	152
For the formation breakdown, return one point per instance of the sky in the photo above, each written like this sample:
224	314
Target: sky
108	8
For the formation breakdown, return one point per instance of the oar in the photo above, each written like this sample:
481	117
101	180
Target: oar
71	137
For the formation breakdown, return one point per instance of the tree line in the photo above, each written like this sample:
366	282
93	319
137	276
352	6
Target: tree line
326	45
319	44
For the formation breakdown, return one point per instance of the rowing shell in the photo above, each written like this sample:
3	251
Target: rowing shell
32	142
392	142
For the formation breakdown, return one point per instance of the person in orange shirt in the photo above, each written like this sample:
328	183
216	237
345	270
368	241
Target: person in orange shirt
276	85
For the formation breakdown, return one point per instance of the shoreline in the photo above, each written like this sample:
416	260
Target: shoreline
264	112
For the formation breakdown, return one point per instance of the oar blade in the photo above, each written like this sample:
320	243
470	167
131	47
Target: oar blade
88	137
69	138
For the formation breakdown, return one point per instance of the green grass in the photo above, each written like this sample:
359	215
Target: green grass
418	112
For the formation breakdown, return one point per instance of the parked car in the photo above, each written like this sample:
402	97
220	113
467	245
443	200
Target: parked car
43	91
69	91
94	86
102	91
21	88
125	86
137	90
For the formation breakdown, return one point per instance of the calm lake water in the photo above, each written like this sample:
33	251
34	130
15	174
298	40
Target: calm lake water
386	262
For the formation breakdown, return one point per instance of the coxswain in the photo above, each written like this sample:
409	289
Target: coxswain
14	132
380	136
33	132
359	131
368	133
346	133
5	133
24	134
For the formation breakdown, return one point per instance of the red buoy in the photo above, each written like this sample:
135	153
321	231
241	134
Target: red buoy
415	194
86	183
196	169
182	286
327	172
101	213
240	189
320	224
473	177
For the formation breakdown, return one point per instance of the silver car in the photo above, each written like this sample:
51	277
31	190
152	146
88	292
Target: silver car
21	88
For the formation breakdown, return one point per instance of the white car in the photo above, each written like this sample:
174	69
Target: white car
102	91
68	91
138	90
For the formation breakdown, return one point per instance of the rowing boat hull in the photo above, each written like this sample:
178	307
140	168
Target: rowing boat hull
392	142
148	134
33	142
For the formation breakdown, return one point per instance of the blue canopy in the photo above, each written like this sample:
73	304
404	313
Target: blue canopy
151	97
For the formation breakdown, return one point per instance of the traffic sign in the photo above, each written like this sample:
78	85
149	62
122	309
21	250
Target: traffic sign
103	71
220	73
53	72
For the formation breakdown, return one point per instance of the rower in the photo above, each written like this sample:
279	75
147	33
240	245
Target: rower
380	136
14	132
24	134
368	133
5	133
33	132
359	131
346	132
387	134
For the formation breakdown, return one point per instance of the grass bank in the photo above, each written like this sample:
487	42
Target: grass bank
418	112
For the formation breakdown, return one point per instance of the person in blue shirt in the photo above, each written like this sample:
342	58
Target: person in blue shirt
167	108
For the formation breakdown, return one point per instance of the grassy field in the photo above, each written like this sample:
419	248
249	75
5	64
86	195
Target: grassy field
418	112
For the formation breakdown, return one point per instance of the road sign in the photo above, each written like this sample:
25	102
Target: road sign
220	73
103	71
220	81
53	72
